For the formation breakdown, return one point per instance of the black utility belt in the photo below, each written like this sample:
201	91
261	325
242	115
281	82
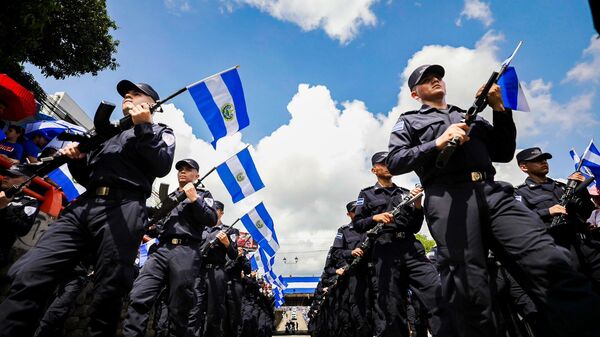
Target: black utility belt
462	177
180	241
394	235
212	266
115	192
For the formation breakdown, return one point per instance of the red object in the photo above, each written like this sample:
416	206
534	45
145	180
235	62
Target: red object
51	202
19	101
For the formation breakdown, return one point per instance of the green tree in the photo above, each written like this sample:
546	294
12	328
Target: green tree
61	37
427	242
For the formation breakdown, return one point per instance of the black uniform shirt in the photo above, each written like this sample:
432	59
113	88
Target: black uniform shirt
235	267
188	219
412	143
540	197
346	240
217	255
16	220
376	199
130	160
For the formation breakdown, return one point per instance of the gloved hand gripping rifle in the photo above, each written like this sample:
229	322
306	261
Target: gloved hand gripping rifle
478	106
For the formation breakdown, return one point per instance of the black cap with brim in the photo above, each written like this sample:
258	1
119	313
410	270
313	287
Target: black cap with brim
351	206
219	205
187	162
532	154
125	86
379	157
418	74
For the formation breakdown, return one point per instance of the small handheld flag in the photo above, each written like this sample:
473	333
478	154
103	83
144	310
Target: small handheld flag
240	176
512	92
61	178
259	225
220	99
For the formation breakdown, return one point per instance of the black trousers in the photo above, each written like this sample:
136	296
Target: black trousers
360	301
466	220
58	311
170	265
111	230
207	319
235	293
400	263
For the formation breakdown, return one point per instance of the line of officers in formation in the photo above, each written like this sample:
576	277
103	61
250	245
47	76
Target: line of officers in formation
196	279
500	268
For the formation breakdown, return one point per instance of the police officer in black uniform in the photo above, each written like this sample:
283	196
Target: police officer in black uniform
542	194
235	269
208	319
17	214
172	264
399	258
107	221
346	247
468	213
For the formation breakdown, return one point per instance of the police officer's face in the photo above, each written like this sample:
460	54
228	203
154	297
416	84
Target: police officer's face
187	175
431	88
133	98
351	215
381	171
538	167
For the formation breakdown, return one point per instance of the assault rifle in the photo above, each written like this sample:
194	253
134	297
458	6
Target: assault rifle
103	130
175	198
374	232
478	106
212	243
573	188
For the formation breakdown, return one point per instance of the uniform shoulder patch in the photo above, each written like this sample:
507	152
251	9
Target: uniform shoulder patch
399	126
360	201
209	201
168	138
339	235
29	210
519	198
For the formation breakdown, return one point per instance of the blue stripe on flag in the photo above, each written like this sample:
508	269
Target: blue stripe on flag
209	110
66	184
253	263
250	168
234	85
233	187
512	95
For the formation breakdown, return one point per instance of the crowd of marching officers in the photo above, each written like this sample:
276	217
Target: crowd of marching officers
509	261
195	280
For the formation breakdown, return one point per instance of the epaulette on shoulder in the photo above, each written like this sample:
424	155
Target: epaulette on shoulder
411	112
345	226
520	185
368	188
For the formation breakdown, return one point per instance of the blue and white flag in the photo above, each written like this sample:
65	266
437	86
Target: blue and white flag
62	178
259	225
300	284
512	93
240	176
591	160
220	99
584	170
143	251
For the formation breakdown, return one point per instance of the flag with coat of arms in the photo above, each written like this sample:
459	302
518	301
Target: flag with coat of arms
239	175
220	99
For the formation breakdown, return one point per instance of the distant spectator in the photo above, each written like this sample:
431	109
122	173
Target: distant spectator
30	150
9	147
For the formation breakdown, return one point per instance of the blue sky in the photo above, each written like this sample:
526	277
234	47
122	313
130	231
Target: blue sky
176	42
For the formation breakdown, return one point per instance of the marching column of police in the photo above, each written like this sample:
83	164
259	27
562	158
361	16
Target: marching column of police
196	280
521	261
509	261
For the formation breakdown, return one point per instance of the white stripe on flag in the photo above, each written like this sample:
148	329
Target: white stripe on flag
592	158
221	96
236	167
302	285
266	232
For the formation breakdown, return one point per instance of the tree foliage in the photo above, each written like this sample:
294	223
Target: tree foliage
61	37
427	242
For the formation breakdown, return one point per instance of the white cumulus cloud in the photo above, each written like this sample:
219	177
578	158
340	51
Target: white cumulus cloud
340	19
476	10
588	70
317	162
